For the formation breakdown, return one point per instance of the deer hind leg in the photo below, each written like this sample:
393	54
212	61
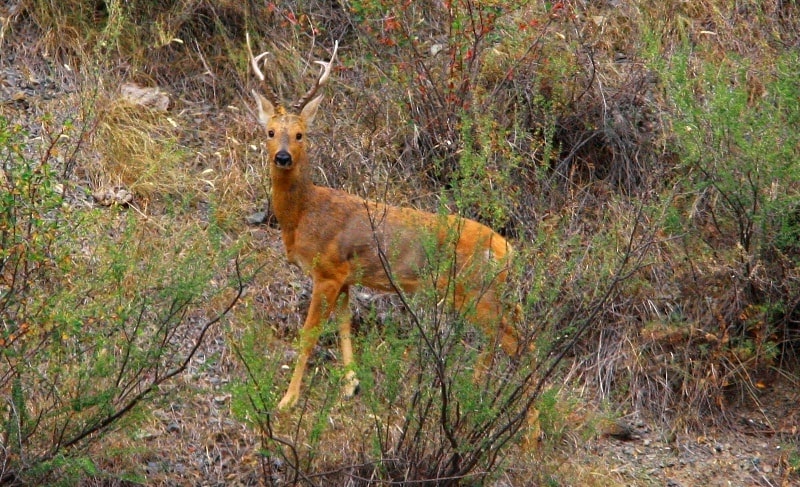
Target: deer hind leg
490	317
323	299
489	314
345	342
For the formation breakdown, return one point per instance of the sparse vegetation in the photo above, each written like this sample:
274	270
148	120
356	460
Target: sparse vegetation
91	326
642	157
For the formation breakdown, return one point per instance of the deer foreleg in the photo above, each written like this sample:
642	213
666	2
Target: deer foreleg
323	297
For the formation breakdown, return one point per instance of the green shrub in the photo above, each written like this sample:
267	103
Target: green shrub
736	128
730	217
96	309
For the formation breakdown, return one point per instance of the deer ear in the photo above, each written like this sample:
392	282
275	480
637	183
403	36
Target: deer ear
265	108
310	110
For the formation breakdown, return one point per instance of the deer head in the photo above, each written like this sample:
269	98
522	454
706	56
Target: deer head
285	130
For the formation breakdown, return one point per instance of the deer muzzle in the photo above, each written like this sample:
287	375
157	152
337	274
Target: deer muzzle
283	159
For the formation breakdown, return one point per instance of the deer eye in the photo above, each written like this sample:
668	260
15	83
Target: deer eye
270	133
299	136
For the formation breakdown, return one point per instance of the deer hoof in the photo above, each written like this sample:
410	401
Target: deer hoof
351	385
288	401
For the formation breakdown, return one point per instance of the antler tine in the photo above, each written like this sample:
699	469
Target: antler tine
324	73
254	60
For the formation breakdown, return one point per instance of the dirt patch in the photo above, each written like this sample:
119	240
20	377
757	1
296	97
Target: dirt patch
756	449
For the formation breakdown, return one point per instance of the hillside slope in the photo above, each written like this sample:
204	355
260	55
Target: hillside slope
643	158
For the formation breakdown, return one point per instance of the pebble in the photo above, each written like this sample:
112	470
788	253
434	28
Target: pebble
257	218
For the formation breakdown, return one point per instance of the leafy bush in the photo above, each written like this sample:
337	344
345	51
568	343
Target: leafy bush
97	309
466	95
736	126
730	216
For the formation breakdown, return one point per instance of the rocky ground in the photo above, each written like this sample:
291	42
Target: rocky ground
754	450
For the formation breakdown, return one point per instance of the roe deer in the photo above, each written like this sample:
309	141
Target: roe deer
343	240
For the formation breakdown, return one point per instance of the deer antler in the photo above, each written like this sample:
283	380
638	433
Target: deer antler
254	60
324	73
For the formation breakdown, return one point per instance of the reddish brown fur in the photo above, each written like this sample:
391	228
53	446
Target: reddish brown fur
338	238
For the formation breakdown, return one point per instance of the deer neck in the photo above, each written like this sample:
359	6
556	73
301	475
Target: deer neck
291	191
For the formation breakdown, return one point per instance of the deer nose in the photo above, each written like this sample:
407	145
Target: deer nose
283	159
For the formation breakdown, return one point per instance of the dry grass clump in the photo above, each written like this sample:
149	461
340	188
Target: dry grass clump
138	149
190	159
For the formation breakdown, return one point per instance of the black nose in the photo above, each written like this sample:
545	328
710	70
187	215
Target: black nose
283	159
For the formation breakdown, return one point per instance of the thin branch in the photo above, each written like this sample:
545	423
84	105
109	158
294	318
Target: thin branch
135	400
